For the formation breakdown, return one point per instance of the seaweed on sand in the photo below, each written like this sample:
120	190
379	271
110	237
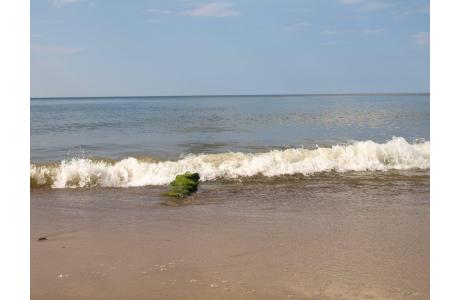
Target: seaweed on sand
184	185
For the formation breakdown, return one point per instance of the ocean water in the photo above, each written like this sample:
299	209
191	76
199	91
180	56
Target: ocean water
142	141
312	197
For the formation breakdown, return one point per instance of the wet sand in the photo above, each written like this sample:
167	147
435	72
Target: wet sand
317	238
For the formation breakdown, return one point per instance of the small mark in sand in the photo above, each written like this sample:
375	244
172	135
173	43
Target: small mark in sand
193	280
213	285
224	281
61	276
42	238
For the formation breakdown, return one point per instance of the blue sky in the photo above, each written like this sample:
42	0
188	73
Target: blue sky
182	47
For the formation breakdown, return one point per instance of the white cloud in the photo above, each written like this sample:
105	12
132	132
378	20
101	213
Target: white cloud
296	26
328	32
375	6
422	38
214	9
333	43
411	11
374	31
58	3
369	6
351	2
160	11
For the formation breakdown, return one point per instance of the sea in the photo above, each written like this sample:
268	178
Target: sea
123	142
300	196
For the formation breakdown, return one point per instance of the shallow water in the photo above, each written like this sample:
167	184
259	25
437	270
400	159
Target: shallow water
335	236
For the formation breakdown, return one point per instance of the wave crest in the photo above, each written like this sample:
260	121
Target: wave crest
396	154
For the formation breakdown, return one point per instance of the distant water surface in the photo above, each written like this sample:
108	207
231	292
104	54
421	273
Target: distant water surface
166	127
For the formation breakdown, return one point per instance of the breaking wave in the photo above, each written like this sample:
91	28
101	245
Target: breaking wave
396	154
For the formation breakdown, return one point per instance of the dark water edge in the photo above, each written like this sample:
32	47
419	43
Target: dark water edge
257	189
371	178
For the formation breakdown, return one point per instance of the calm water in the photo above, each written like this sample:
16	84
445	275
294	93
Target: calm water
166	127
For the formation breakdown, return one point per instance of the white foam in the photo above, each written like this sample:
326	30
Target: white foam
395	154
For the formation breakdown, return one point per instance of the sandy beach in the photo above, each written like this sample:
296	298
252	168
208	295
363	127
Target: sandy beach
323	237
226	150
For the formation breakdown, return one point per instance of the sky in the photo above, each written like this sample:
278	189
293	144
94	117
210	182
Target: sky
84	48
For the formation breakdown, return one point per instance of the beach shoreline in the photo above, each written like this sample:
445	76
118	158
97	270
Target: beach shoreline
330	238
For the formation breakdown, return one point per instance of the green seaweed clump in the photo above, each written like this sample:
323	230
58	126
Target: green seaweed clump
184	185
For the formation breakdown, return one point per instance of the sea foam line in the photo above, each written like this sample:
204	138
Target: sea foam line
396	154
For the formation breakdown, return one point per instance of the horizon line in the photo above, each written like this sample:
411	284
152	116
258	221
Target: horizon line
237	95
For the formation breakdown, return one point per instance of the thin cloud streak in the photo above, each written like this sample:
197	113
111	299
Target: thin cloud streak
58	3
53	50
161	11
213	10
328	32
296	26
376	6
374	31
368	6
351	2
411	11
